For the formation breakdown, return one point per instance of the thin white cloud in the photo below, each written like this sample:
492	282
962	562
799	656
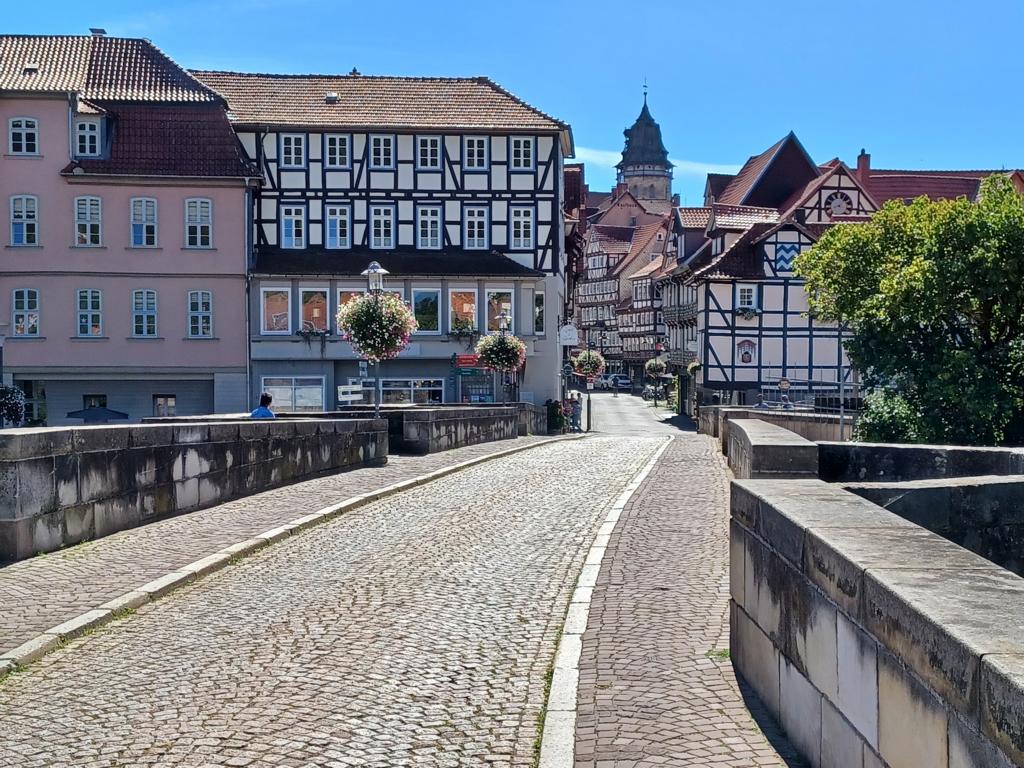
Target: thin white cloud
606	158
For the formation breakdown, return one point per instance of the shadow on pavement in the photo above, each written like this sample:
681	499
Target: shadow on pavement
770	727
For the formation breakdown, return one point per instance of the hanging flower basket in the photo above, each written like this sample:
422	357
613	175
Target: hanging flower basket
588	363
501	352
377	326
12	405
655	367
693	367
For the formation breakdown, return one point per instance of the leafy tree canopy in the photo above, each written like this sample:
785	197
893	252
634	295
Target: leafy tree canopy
933	293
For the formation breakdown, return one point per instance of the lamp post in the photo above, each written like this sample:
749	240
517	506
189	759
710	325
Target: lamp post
374	275
504	320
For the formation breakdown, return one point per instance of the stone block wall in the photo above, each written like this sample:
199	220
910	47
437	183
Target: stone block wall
812	426
883	462
874	642
757	449
440	429
533	419
61	486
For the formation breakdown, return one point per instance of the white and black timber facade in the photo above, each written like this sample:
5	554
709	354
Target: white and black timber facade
452	184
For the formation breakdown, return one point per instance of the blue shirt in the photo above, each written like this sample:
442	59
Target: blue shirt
262	413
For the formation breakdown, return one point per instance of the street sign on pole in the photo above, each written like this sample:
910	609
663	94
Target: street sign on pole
590	383
364	369
567	369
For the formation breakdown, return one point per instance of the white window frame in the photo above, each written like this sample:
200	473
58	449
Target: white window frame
295	215
465	228
199	222
145	222
340	140
378	142
511	291
371	235
412	303
740	288
29	220
199	314
292	146
24	130
538	293
421	141
323	387
95	134
145	313
331	211
453	289
168	409
478	166
527	143
79	312
27	295
423	215
88	221
522	245
264	290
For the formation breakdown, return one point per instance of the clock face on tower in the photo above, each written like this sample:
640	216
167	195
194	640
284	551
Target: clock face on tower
838	204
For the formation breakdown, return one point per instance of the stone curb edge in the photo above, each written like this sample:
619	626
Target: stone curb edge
56	637
558	742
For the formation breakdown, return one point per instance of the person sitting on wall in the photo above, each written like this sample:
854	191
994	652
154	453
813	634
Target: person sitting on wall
760	402
263	411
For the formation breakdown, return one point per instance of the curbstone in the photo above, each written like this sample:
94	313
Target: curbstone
161	586
76	626
29	651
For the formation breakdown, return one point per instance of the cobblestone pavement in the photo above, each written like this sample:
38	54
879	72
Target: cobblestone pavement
44	591
413	631
656	686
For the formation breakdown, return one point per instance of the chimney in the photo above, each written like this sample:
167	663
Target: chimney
863	166
620	189
97	32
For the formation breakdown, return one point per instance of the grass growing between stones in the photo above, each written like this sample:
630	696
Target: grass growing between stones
718	654
549	675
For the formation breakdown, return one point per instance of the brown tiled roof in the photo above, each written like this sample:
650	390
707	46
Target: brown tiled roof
891	186
643	237
612	240
649	270
742	182
575	192
741	259
798	198
96	67
740	216
194	140
472	103
657	207
596	199
717	182
694	218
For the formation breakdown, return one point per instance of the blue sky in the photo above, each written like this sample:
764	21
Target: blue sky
919	83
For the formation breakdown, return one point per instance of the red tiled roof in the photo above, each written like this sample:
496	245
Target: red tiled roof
889	186
742	182
740	216
657	207
96	67
193	140
473	103
644	235
596	199
694	218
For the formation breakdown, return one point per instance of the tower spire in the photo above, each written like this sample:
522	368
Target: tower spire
645	90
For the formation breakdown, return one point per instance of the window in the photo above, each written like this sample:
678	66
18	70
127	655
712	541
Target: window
200	314
90	313
276	306
382	226
498	302
426	307
165	405
475	225
428	226
88	222
313	304
25	306
23	136
338	220
295	394
474	153
522	228
87	138
94	401
24	220
293	150
416	391
538	312
428	153
522	153
143	222
293	226
198	223
336	151
382	152
463	310
746	295
144	313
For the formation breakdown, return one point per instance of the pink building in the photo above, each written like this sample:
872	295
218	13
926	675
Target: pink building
126	197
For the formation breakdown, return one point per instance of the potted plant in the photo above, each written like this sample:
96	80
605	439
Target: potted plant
377	325
588	363
12	405
501	352
655	368
692	369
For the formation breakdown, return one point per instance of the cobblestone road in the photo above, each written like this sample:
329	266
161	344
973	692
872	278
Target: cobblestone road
413	631
656	685
42	592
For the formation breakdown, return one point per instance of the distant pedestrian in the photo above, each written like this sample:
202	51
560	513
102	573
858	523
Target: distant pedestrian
263	411
786	404
760	402
577	413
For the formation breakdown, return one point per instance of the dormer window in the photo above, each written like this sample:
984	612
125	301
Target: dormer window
87	138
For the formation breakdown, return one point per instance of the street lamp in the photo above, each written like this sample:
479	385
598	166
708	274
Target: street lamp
504	320
374	275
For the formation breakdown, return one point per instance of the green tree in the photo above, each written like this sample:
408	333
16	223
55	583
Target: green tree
933	293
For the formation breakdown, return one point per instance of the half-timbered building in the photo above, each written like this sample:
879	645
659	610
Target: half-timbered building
453	185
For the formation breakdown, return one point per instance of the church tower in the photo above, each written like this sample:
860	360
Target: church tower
645	168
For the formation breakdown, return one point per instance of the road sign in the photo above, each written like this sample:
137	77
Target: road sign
567	369
350	393
784	384
467	361
590	383
568	335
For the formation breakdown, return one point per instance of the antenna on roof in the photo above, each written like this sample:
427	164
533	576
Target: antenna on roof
97	31
645	89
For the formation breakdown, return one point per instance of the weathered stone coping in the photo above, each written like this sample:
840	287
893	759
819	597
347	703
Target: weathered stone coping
884	462
809	424
757	449
861	629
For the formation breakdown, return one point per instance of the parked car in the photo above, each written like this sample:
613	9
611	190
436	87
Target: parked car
604	381
621	381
